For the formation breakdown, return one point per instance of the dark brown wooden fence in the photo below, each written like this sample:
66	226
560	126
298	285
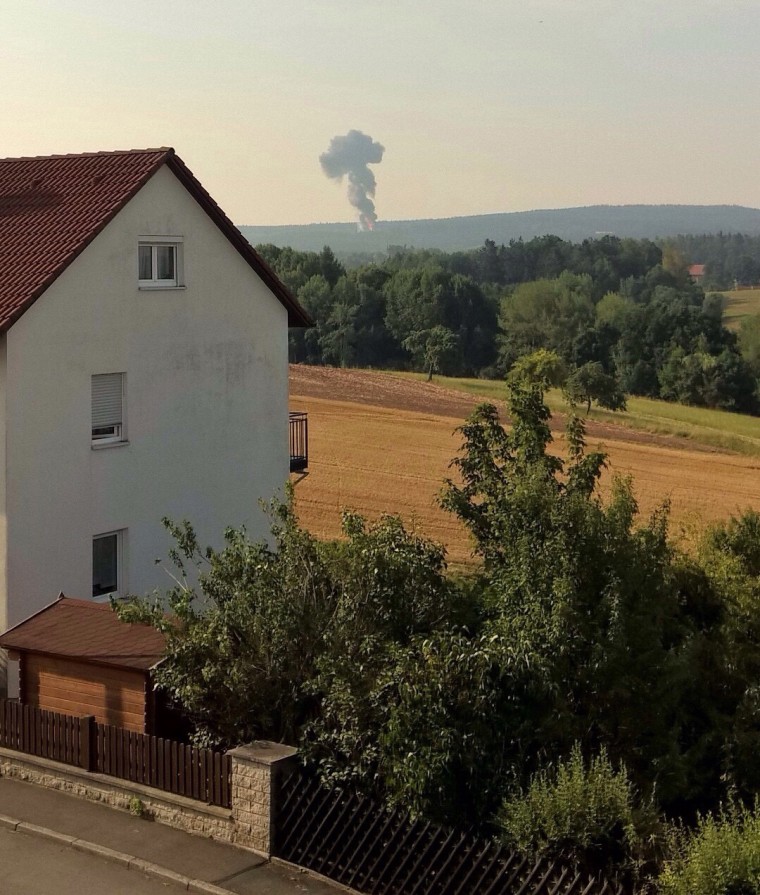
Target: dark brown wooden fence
361	844
163	764
45	734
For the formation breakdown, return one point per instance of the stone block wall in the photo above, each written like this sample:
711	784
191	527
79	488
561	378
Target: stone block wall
256	771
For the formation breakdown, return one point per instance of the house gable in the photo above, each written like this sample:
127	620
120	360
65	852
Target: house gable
205	370
51	208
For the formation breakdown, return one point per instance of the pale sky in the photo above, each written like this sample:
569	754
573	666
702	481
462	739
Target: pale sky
482	106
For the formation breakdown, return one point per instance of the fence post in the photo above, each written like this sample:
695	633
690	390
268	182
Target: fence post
256	771
87	743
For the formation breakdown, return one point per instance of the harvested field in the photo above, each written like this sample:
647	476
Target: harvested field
380	443
740	303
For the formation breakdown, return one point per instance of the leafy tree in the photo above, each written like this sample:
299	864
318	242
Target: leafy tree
449	702
541	367
749	343
675	261
713	306
585	603
242	642
402	690
701	378
412	300
329	266
590	383
431	347
613	309
316	297
338	336
739	537
730	558
545	314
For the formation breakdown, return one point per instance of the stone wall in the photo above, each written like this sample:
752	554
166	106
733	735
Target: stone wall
256	770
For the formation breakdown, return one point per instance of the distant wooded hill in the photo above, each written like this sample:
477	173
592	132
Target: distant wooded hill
574	224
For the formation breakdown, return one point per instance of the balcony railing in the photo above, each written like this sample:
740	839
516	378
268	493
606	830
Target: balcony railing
299	441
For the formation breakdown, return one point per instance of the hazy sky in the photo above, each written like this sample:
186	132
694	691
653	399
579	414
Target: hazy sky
482	106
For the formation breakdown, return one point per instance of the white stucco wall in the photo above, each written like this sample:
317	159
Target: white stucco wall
3	569
206	400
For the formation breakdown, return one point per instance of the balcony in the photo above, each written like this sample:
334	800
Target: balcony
299	441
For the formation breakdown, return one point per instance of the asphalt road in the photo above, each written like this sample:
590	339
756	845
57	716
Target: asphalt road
30	865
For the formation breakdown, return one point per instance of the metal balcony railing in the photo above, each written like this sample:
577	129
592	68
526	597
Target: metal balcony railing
299	441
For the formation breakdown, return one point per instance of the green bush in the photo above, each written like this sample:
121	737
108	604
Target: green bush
739	536
720	857
589	810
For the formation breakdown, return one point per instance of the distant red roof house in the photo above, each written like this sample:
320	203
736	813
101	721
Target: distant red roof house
52	207
697	272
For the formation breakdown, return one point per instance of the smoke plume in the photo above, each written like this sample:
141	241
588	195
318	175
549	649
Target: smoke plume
349	156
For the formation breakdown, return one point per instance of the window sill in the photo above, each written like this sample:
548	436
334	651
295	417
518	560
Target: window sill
159	288
101	446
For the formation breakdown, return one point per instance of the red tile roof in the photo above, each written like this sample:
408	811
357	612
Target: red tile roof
52	207
88	632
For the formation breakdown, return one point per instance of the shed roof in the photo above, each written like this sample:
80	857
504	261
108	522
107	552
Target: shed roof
52	207
88	632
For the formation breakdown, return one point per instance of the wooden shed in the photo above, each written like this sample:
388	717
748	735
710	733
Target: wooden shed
78	658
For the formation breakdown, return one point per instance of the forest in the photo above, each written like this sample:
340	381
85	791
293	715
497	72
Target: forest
621	308
730	258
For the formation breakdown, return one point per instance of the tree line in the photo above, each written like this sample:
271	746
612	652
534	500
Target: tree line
623	305
730	259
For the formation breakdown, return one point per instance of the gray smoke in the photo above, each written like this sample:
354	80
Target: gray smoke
349	156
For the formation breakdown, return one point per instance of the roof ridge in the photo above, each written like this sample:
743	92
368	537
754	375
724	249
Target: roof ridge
80	601
71	199
35	614
168	150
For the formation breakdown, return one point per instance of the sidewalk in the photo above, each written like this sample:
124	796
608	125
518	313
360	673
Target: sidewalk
192	857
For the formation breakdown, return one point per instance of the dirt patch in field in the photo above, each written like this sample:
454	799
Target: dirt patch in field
383	444
377	389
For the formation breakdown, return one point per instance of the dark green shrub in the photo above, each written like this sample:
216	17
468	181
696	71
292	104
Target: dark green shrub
587	809
720	857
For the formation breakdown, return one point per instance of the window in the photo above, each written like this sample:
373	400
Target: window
108	408
158	262
108	565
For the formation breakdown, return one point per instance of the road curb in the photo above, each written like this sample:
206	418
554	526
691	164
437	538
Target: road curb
45	833
117	857
9	823
131	862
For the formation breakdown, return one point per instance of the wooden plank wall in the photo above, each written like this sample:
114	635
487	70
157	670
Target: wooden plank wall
113	696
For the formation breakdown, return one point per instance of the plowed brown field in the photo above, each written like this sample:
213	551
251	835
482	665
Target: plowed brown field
379	443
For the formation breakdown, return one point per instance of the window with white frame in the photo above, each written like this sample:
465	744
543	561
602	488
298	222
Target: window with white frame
108	565
108	424
159	262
